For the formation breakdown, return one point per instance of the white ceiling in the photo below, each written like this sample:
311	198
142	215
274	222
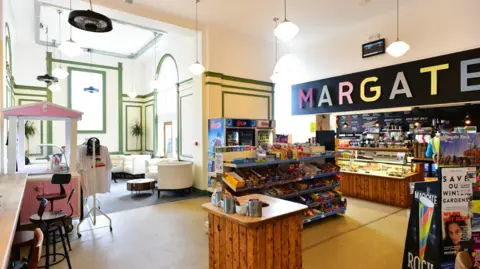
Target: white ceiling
317	19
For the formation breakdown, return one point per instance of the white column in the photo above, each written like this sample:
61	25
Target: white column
12	145
71	143
68	150
21	145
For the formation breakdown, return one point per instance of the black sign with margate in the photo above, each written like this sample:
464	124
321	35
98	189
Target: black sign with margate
450	78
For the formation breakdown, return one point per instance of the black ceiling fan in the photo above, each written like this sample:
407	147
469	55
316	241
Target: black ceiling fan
89	20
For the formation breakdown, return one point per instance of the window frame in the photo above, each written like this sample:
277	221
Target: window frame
104	94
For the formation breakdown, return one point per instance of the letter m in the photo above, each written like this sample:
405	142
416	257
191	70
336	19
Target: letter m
305	97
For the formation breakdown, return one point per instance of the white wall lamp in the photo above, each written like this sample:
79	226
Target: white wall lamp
286	30
399	47
196	68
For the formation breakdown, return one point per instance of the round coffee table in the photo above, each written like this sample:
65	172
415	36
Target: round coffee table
142	184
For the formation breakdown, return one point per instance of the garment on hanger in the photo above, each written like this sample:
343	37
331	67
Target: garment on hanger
102	169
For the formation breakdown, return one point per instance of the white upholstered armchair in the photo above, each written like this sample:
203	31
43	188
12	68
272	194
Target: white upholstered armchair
174	175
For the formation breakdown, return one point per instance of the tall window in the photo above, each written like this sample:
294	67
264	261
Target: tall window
92	104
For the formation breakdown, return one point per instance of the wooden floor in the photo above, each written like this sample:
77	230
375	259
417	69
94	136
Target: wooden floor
173	236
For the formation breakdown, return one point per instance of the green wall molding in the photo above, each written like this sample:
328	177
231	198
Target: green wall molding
49	99
187	81
155	121
160	63
127	128
180	125
146	124
28	94
236	87
8	40
86	64
244	94
120	107
30	88
138	102
237	79
140	96
104	94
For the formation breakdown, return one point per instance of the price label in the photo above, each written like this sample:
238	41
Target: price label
218	163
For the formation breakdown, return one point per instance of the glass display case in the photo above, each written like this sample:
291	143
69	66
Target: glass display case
375	161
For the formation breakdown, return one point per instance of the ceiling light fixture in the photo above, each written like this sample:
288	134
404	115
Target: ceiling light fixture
468	120
59	72
398	48
154	82
286	30
90	21
196	68
345	125
377	123
69	47
47	78
132	94
54	87
91	89
275	76
417	124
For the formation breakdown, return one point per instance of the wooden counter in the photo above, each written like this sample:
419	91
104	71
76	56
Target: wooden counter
381	189
272	241
11	189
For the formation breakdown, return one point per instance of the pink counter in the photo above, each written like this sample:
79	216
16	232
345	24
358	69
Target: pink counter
40	184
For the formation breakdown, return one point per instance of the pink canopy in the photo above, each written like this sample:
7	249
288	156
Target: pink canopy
42	109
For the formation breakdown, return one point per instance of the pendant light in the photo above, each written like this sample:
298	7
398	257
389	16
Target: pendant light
90	21
132	94
196	68
69	47
377	123
47	78
154	82
398	48
286	30
275	76
345	125
468	120
59	72
91	89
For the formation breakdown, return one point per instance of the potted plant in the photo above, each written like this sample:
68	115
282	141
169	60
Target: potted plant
136	130
30	131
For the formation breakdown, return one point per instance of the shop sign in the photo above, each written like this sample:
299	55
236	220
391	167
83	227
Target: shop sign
443	79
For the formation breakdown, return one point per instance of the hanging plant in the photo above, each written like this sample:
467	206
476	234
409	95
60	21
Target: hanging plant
136	130
30	131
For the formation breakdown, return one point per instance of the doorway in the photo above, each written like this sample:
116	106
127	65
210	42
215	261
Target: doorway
168	139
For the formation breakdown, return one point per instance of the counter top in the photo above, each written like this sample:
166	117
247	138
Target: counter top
276	208
11	188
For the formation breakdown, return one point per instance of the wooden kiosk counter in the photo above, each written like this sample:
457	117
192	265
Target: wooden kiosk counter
271	241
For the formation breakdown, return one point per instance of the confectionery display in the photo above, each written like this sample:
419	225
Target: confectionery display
377	169
302	187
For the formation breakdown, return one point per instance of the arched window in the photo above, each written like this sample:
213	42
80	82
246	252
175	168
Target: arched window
168	77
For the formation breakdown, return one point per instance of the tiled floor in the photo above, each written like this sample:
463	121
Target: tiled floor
173	236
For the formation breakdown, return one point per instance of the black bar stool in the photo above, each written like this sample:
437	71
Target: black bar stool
58	179
47	222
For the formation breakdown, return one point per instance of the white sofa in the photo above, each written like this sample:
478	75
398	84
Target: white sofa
151	167
174	175
134	165
118	166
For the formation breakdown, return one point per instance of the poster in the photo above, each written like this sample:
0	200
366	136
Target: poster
216	135
423	242
457	188
459	149
457	235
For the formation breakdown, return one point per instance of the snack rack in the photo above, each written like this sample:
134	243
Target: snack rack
311	179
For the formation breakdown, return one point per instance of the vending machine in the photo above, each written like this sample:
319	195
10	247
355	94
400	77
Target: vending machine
265	132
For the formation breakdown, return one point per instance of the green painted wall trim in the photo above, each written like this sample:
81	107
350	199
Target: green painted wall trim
138	102
85	64
236	87
146	124
160	63
49	99
127	128
238	79
187	81
31	88
27	94
120	107
9	57
104	93
180	125
155	121
140	96
243	94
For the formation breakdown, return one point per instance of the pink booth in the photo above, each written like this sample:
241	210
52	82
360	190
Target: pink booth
40	173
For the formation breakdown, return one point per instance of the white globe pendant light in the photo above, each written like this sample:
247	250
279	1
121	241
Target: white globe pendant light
70	47
54	87
132	94
399	47
59	72
196	68
286	30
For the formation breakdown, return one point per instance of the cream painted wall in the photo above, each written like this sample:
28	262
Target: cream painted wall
431	27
